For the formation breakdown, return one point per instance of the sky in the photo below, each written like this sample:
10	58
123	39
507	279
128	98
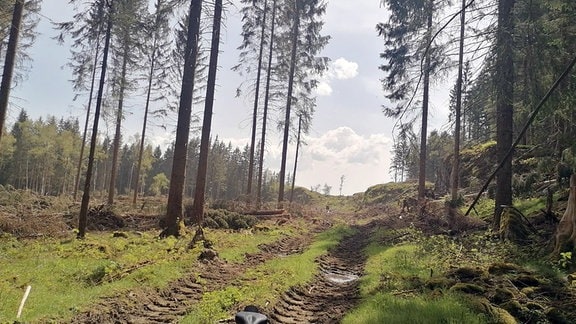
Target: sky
350	138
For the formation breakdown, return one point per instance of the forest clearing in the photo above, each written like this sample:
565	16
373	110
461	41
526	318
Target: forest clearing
363	261
471	222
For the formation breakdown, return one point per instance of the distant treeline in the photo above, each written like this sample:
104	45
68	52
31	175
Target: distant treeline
42	155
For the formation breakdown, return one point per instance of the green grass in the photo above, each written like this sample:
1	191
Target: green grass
484	209
389	267
391	289
530	206
387	308
70	275
232	246
267	281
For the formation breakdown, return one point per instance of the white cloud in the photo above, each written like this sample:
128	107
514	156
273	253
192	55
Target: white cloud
363	160
343	69
340	69
324	89
343	145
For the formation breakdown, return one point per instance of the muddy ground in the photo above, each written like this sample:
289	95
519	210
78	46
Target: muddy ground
333	292
170	304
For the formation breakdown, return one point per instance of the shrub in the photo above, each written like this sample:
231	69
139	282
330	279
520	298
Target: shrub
224	219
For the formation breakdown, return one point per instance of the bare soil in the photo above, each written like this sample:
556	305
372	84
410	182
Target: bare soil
333	292
170	304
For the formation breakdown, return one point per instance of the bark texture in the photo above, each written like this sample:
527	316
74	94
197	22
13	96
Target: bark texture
566	230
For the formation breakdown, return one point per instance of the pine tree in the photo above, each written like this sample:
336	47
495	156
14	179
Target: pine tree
301	67
82	218
267	95
504	78
157	29
127	51
26	35
175	195
199	194
409	44
255	16
10	62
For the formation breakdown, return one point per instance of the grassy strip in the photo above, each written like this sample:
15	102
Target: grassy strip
266	282
389	292
387	308
69	275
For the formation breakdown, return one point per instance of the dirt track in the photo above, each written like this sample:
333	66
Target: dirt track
298	305
333	292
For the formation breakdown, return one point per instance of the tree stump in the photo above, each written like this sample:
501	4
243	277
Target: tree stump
566	230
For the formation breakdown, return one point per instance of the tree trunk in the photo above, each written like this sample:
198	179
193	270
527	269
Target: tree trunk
118	132
198	207
86	195
144	124
504	108
265	112
296	158
256	99
425	100
566	230
456	159
293	58
10	61
174	208
88	109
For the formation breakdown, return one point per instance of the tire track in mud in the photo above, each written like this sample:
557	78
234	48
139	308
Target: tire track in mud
170	304
333	292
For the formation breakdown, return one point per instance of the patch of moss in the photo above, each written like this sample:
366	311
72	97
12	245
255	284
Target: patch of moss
466	273
554	315
525	280
496	314
501	268
468	288
502	295
439	283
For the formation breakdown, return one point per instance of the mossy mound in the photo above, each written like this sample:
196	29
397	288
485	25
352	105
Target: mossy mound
389	192
224	219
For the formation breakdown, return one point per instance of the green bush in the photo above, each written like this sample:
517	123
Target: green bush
224	219
222	223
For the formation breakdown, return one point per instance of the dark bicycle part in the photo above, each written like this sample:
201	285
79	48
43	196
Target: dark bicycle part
251	315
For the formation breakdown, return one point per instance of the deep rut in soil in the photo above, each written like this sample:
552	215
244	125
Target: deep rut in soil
169	305
333	292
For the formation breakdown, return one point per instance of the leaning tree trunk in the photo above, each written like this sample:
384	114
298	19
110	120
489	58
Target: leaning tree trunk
296	158
10	61
117	134
566	230
82	217
144	124
87	121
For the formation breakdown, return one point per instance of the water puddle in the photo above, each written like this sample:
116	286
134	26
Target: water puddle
340	278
